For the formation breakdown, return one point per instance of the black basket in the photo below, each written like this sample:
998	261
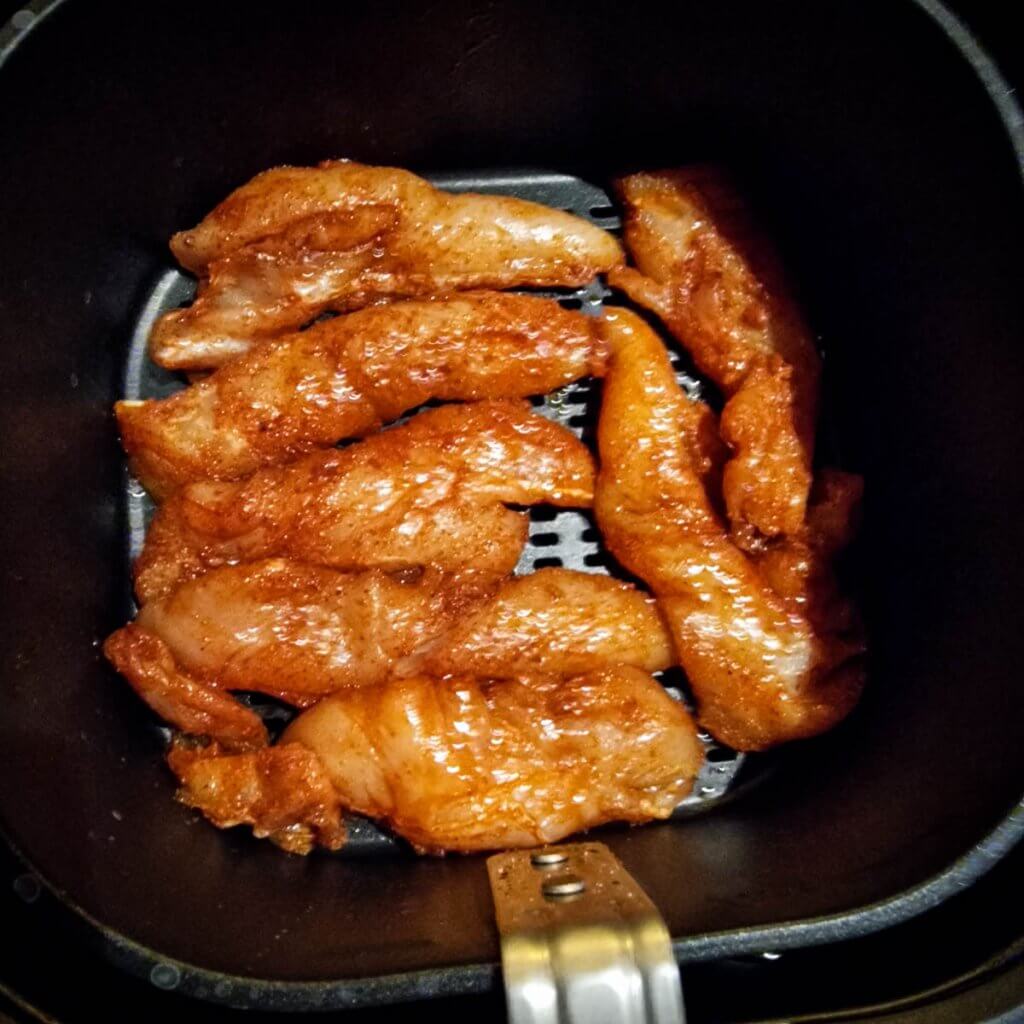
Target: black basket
879	145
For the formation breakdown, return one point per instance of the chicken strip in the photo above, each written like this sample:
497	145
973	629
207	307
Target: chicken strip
465	765
348	376
298	632
296	241
717	284
281	791
431	492
188	704
759	670
553	621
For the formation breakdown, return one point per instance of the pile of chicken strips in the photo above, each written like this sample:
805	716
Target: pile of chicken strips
370	586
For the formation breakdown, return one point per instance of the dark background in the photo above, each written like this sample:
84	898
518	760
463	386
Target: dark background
961	963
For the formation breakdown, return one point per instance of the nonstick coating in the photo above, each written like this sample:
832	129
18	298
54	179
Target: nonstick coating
877	157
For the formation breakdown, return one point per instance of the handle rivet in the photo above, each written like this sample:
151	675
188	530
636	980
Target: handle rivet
548	858
558	886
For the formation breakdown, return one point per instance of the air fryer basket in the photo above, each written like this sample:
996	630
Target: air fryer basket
872	148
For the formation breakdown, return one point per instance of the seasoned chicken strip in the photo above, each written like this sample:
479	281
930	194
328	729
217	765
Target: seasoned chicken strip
281	791
431	492
717	284
760	672
465	765
553	621
145	661
298	632
296	241
348	376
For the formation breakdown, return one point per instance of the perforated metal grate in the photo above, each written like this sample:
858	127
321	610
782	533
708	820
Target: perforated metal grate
557	537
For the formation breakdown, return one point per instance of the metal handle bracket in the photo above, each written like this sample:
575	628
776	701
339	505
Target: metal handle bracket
581	942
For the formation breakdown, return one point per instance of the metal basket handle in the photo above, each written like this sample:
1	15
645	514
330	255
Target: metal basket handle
581	942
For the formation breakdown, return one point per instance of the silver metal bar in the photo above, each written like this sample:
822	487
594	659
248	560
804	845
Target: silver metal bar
581	942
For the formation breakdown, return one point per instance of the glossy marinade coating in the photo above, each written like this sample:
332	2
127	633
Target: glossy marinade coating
760	669
553	621
296	241
464	765
430	493
348	376
716	282
298	632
